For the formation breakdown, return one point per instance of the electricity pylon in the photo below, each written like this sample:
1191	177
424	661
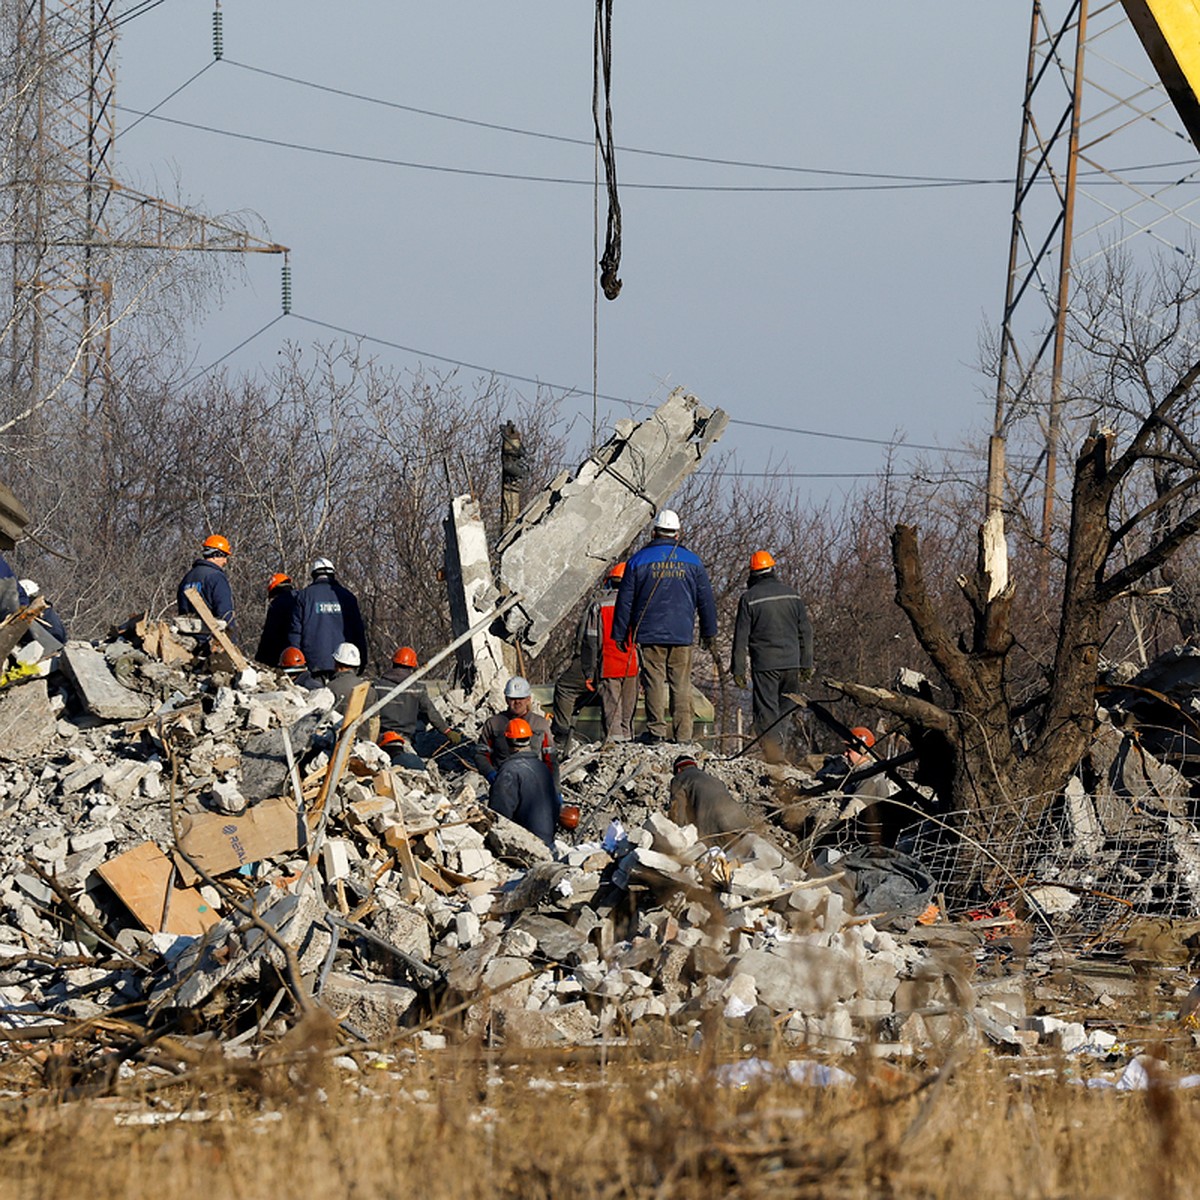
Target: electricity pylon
72	220
1103	157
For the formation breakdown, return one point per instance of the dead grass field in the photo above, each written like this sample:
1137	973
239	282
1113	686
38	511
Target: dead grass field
466	1123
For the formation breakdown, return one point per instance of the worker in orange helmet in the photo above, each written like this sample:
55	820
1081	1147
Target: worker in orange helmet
295	667
208	577
772	629
281	599
523	789
873	821
409	713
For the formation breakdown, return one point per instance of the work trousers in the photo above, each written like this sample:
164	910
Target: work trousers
666	674
570	695
770	689
618	702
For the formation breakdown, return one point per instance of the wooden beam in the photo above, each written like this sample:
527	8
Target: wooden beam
222	638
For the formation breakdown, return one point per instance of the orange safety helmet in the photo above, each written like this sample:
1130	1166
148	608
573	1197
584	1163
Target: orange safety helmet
279	579
391	736
518	730
217	542
860	733
761	560
292	658
618	571
406	656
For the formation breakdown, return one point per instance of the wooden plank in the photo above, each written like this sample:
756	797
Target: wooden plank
222	638
98	688
14	627
354	707
219	843
142	880
396	836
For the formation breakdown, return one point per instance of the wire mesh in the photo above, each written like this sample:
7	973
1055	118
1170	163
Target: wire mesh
1084	865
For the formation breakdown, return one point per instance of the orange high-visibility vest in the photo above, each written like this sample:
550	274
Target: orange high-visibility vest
614	662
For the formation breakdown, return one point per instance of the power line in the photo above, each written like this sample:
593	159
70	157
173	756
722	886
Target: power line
168	97
573	141
212	366
667	154
569	391
379	160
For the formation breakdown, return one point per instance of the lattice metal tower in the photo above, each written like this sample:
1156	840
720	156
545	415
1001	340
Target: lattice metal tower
71	218
1102	158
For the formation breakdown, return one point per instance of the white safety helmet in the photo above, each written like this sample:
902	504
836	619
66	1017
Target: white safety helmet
347	655
322	566
517	688
667	521
30	588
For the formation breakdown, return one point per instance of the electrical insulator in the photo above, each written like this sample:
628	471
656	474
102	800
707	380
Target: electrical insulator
218	33
287	288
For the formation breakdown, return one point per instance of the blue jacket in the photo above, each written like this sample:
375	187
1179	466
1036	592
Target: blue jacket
523	791
664	587
326	614
213	585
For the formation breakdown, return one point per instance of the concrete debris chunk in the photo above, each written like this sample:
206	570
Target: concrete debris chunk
97	686
568	536
27	722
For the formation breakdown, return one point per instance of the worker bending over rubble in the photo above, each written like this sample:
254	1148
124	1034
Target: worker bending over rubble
404	714
663	589
839	770
524	789
277	624
494	745
208	577
325	616
292	663
400	752
701	799
773	628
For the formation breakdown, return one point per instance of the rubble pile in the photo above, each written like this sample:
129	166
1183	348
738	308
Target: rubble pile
198	852
208	846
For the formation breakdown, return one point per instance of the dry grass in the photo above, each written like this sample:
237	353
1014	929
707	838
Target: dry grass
464	1123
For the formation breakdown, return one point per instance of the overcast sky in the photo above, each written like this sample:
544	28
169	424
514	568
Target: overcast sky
844	311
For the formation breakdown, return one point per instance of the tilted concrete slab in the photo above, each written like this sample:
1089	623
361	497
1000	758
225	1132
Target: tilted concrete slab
569	534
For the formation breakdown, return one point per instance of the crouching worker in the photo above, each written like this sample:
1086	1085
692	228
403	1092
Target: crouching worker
523	790
400	751
292	663
408	713
701	799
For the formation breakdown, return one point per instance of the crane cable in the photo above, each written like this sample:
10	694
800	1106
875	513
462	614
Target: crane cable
610	261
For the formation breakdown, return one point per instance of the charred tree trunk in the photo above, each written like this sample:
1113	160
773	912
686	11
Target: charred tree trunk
1000	782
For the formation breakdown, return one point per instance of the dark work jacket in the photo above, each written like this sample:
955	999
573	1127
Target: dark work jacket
407	710
701	799
664	587
213	585
326	614
523	791
494	747
277	624
772	624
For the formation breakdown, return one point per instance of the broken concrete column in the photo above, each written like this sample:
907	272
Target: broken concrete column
569	535
482	665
